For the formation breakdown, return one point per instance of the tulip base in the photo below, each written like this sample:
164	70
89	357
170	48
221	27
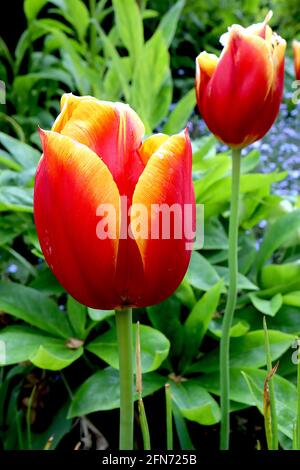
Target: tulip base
231	300
124	334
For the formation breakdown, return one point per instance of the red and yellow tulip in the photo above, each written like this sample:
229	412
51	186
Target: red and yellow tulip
239	94
296	50
92	157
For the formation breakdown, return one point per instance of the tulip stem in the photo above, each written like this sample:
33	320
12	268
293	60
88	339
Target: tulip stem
231	300
124	334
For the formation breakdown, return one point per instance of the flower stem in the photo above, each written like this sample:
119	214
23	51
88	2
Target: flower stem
169	421
271	372
298	399
124	334
231	300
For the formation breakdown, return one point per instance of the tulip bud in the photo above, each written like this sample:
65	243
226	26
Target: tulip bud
296	50
100	193
239	93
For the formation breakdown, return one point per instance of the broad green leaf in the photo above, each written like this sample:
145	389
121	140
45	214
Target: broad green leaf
268	307
283	230
54	356
100	315
46	283
101	392
286	320
23	154
33	307
194	402
286	411
77	314
198	320
239	327
185	294
201	274
243	281
154	348
165	317
180	114
287	274
169	21
247	351
215	237
250	162
22	343
285	392
130	26
293	299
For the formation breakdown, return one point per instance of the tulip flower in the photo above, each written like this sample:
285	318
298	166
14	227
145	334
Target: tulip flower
92	159
296	50
239	94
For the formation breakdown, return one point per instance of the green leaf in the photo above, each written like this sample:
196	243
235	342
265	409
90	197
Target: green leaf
77	314
293	299
165	317
286	410
101	392
130	26
23	342
185	294
239	327
23	154
46	283
287	274
16	199
215	237
100	315
32	8
54	356
181	113
201	274
243	281
194	402
76	13
169	21
277	235
182	430
285	392
154	348
268	307
247	351
198	320
33	307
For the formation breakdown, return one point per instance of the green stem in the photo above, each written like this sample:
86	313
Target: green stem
298	397
93	31
274	426
169	422
231	300
124	333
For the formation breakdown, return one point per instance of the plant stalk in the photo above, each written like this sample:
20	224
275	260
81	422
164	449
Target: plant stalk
298	398
231	300
93	31
124	334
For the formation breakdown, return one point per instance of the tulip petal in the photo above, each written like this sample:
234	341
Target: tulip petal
165	184
296	50
112	130
72	183
150	146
